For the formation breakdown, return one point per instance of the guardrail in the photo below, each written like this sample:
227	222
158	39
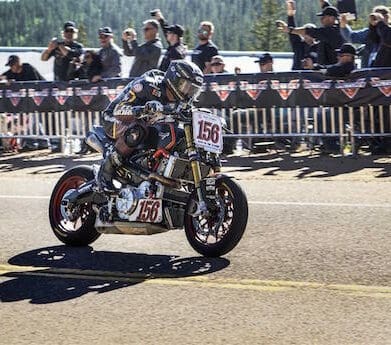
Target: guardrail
257	106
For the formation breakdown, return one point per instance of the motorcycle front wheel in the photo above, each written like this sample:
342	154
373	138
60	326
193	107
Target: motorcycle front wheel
75	227
219	232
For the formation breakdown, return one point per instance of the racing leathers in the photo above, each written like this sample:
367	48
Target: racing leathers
128	129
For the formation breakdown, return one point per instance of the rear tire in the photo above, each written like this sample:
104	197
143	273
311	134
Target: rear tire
80	232
236	213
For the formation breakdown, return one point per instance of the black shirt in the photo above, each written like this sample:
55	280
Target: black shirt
28	73
175	52
299	47
204	53
62	69
329	38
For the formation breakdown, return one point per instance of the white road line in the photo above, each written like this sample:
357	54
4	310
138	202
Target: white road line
24	196
321	204
251	202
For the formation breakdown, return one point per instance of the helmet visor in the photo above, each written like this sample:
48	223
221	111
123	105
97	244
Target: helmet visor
187	89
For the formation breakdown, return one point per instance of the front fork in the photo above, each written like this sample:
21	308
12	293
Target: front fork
202	209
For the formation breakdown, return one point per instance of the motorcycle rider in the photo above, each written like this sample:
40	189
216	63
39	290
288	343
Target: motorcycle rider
181	82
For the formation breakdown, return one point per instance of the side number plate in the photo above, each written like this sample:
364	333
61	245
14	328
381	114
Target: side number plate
148	211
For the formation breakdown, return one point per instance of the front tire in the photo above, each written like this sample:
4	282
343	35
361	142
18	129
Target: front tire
79	231
228	226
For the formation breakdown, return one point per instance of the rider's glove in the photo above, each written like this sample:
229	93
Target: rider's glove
153	107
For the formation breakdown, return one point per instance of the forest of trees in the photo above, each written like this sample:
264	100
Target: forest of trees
240	24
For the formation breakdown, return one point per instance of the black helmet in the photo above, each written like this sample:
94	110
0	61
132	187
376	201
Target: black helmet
184	79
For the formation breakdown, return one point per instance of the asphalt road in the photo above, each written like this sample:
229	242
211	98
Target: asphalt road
314	267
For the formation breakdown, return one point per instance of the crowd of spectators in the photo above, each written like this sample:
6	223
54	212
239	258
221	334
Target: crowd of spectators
314	47
329	47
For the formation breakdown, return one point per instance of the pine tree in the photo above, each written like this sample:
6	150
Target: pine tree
268	38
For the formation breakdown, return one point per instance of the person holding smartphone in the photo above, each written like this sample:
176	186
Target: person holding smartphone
147	54
302	45
367	36
176	49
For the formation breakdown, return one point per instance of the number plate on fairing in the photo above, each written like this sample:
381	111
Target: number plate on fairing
207	131
148	211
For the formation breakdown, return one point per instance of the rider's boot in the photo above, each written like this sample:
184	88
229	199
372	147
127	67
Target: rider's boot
107	171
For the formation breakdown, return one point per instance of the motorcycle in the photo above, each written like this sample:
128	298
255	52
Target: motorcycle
173	184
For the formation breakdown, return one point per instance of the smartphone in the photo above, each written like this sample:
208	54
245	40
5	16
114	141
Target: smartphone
154	12
347	6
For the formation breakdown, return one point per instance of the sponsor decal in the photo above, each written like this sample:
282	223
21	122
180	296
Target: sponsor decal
123	110
285	89
383	85
253	90
350	88
87	95
111	94
138	87
38	96
15	96
316	88
62	95
163	135
223	91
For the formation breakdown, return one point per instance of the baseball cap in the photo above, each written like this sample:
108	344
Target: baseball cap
69	25
217	60
176	29
347	48
264	58
12	59
105	31
329	11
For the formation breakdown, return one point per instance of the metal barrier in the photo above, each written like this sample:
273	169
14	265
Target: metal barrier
344	123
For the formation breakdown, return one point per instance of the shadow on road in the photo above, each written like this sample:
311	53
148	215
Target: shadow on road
300	165
309	165
69	273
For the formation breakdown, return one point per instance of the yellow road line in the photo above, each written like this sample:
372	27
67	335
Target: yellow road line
198	281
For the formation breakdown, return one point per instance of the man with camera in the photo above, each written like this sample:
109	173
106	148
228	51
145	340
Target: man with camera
146	55
64	51
176	50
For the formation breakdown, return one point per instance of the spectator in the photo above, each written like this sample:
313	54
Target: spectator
64	51
301	45
265	62
345	64
217	65
309	61
383	57
90	68
109	54
367	36
146	55
176	49
238	70
206	49
328	35
19	71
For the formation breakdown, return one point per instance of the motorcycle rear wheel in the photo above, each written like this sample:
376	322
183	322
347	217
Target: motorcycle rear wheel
81	230
219	233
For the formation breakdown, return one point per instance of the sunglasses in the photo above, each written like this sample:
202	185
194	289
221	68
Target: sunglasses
217	64
69	31
103	37
147	28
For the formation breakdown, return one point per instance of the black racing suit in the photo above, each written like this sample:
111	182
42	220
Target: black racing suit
130	132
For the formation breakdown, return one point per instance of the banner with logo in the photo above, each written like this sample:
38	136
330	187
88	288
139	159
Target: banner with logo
263	90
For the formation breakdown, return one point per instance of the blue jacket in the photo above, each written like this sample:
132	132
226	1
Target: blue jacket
368	54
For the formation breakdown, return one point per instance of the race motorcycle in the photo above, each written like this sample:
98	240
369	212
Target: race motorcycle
172	184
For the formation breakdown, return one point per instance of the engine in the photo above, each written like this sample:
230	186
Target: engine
129	203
